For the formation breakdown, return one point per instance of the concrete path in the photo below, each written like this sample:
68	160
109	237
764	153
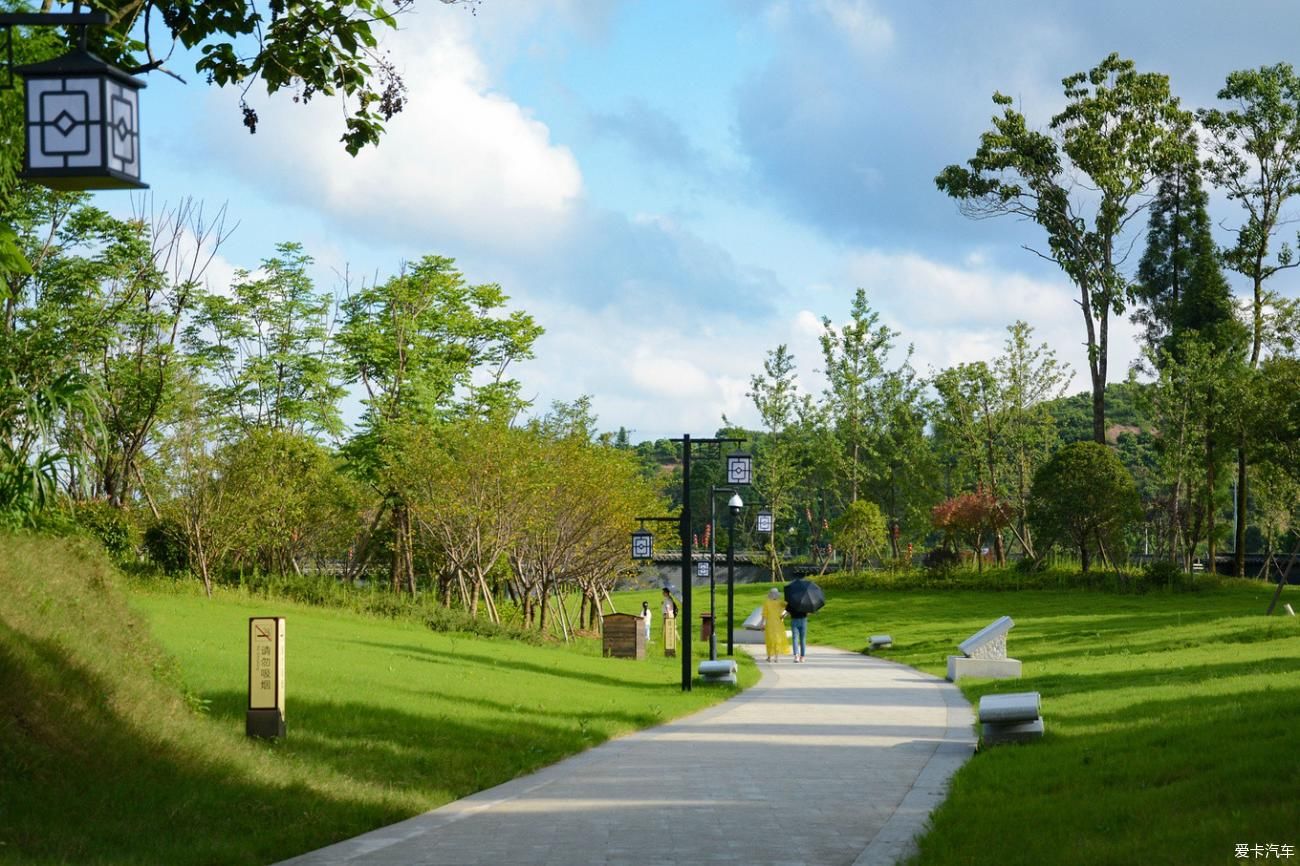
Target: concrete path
833	762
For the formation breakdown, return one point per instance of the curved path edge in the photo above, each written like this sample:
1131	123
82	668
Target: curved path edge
837	762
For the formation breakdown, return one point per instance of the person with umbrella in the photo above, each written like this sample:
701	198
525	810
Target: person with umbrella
802	597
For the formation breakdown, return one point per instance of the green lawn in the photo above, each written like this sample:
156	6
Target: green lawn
121	728
1173	721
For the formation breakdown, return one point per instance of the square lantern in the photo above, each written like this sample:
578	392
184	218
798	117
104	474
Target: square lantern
703	568
643	544
83	124
740	468
764	521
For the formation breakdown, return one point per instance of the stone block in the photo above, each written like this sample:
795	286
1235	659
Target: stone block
989	642
720	671
879	641
1020	732
1010	707
991	669
1289	610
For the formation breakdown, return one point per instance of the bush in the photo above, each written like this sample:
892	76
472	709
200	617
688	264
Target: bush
941	560
1163	574
112	526
164	544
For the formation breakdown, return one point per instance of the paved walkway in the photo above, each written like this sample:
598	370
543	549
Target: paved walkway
834	762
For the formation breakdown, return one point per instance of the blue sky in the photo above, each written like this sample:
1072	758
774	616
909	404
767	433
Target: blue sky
675	188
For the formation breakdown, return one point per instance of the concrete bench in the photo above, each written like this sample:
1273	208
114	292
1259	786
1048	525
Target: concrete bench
720	671
1011	718
984	654
879	641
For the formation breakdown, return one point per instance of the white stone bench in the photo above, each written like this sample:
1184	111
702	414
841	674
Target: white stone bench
984	654
720	671
1011	718
879	641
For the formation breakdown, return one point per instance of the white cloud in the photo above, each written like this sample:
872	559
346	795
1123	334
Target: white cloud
461	161
868	31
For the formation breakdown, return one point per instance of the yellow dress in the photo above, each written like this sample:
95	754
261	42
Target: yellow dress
774	627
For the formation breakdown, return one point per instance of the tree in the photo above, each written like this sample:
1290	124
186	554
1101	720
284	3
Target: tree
1029	377
1085	497
426	347
970	518
860	532
1254	156
1120	129
1179	280
267	348
775	396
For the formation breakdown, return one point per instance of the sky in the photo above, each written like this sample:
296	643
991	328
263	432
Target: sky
673	188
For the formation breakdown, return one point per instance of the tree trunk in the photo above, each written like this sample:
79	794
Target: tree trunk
1239	538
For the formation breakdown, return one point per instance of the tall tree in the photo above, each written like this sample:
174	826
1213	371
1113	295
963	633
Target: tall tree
1120	129
267	347
775	395
1179	281
1254	156
426	346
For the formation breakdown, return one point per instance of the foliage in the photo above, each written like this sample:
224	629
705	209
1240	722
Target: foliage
1120	129
860	531
112	527
971	518
1083	496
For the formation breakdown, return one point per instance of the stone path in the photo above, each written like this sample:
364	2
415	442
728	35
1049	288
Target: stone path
835	762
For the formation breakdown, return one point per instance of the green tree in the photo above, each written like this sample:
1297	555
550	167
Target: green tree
1179	281
860	532
1083	496
426	347
268	350
1120	130
1254	156
776	458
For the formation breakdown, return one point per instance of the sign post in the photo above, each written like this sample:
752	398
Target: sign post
265	677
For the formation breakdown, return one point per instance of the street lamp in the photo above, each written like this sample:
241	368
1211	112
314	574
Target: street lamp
735	504
763	523
739	466
82	114
643	544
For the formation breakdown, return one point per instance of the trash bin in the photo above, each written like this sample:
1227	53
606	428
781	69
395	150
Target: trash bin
706	626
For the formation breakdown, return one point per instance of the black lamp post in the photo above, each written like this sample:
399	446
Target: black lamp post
82	114
735	504
740	468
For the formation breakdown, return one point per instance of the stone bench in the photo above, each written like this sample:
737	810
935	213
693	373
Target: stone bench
1011	718
720	671
984	654
879	641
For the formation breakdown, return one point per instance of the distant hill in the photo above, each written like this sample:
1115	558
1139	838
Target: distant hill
1123	413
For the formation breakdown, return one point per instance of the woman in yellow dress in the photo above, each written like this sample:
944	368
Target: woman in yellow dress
774	625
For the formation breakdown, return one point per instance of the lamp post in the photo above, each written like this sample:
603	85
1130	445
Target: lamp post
735	504
740	470
82	114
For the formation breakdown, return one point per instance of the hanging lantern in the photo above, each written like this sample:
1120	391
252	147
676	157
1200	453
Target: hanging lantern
643	544
703	568
764	521
740	468
83	124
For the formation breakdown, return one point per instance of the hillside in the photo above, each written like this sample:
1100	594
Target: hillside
122	716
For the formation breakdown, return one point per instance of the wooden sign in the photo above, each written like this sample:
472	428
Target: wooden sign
265	677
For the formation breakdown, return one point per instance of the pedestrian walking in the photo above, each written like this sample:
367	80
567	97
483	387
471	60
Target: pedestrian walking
802	597
774	625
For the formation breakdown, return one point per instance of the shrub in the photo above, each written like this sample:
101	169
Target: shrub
941	560
1085	497
164	544
112	526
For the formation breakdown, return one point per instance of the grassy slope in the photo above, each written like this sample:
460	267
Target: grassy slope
102	758
1171	722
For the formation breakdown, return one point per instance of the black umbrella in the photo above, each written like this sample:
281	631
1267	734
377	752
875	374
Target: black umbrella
803	596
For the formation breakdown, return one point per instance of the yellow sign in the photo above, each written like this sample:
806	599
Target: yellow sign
266	663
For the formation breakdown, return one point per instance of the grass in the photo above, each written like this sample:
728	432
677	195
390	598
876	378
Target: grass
121	725
1171	721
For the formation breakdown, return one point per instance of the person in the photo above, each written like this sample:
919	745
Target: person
798	636
802	596
670	623
645	615
774	625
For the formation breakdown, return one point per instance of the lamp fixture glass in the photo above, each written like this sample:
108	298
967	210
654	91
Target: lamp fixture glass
643	544
764	521
740	468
